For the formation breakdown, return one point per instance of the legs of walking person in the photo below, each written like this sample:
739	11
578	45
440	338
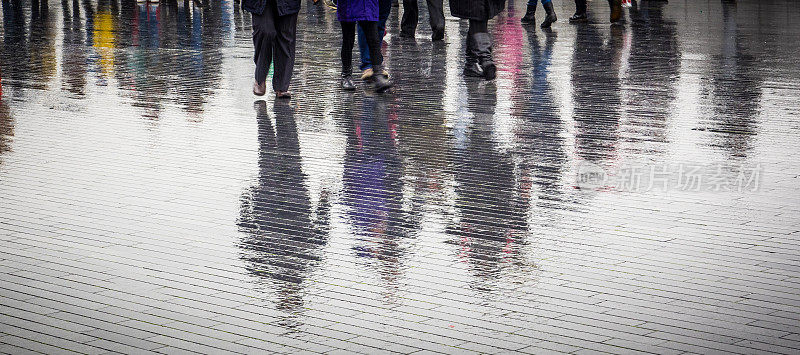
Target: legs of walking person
436	14
580	12
530	12
264	34
384	10
408	25
380	79
348	39
274	36
551	13
479	51
284	53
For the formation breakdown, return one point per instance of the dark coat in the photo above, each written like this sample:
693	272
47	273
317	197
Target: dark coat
285	7
481	10
357	10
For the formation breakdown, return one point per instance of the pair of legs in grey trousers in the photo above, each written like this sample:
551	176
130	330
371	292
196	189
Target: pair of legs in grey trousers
408	25
274	38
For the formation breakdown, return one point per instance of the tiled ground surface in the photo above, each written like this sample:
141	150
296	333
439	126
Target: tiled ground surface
148	204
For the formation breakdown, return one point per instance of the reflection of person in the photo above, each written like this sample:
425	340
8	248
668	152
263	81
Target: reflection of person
282	241
6	125
479	60
542	144
373	190
365	13
274	34
735	89
73	64
596	94
491	218
654	63
408	26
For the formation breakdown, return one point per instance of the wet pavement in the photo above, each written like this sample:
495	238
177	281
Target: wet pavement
628	189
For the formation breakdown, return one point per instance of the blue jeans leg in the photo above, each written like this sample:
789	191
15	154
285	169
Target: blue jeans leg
385	8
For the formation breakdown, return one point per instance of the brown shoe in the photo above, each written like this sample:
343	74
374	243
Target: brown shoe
283	95
367	74
259	89
616	10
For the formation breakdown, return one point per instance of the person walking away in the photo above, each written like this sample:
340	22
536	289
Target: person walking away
384	10
408	25
479	61
365	14
580	11
530	13
274	37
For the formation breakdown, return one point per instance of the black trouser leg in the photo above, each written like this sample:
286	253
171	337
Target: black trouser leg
436	13
478	26
348	40
264	34
284	51
408	25
373	42
274	37
580	6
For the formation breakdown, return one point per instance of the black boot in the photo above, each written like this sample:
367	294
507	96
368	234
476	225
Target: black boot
579	17
347	82
530	15
551	15
347	77
483	50
381	80
471	66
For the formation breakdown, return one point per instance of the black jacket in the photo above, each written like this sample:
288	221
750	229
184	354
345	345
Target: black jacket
285	7
481	10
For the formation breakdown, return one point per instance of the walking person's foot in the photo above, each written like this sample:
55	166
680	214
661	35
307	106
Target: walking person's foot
368	73
283	95
579	17
347	83
381	80
259	89
530	15
551	15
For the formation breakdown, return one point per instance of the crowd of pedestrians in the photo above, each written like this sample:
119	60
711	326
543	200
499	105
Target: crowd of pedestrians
275	27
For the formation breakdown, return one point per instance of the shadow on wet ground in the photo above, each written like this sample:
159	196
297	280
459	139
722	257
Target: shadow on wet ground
617	189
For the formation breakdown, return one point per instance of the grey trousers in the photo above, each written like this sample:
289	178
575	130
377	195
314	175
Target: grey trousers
274	38
408	25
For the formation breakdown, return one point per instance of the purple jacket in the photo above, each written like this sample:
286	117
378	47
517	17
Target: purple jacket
357	10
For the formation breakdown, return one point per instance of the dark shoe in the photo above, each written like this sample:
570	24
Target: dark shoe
473	69
382	82
579	18
259	89
551	15
437	35
483	51
347	83
283	95
471	66
530	15
616	10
